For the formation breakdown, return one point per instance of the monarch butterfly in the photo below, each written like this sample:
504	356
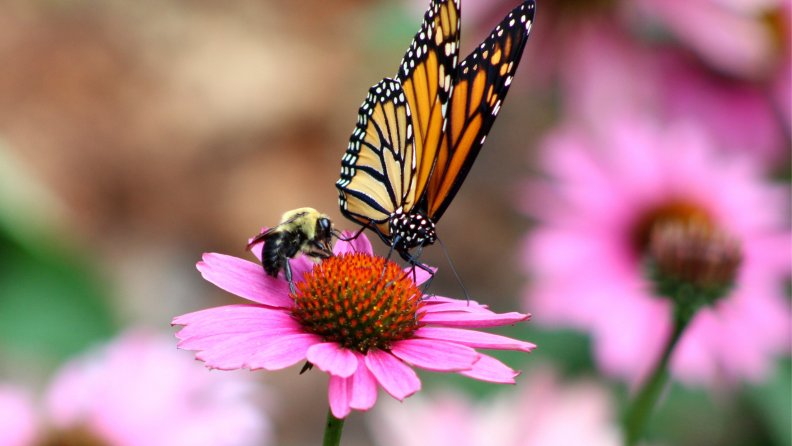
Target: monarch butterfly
417	135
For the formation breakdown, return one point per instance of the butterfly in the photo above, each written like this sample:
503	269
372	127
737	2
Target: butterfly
418	135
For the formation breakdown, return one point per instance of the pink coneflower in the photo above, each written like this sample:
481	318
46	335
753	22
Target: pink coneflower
587	256
139	391
18	419
349	320
542	412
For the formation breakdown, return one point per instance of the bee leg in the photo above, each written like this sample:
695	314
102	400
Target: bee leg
323	252
288	272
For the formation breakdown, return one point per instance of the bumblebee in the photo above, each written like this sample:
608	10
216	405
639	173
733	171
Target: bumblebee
301	231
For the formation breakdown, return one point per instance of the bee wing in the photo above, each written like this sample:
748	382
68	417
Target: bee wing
264	235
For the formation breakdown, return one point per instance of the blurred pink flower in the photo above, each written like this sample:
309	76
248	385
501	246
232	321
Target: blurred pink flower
277	331
585	257
733	36
782	93
139	391
543	412
17	417
608	76
740	116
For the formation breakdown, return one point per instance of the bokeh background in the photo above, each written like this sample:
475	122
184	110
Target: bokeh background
135	136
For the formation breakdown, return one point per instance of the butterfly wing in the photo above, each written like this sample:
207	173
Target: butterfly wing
386	166
378	168
426	74
482	81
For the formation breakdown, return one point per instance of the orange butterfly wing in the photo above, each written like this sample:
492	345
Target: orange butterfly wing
482	81
427	74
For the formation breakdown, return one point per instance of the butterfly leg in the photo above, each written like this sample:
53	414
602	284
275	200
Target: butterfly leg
383	238
395	241
417	254
413	261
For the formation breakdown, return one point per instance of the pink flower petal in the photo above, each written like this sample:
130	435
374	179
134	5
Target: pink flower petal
245	279
471	305
475	339
364	390
396	377
490	369
358	391
360	244
233	319
438	356
229	336
457	306
286	351
232	352
476	320
339	392
334	359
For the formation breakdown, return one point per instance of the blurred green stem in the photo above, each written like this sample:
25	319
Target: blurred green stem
333	428
644	403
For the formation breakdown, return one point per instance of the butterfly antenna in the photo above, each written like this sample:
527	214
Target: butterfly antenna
467	296
338	233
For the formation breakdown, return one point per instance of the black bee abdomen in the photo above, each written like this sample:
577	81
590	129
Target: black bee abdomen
271	257
278	248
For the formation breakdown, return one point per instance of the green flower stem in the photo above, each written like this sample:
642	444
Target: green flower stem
333	428
644	403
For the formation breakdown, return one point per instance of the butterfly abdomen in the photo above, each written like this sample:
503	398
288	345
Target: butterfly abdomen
412	230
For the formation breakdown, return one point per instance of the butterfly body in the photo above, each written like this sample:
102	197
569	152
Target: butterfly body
410	230
418	134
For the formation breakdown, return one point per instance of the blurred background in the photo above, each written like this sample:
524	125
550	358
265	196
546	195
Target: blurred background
135	136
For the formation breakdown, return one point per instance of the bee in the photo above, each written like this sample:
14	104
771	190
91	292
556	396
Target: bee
301	231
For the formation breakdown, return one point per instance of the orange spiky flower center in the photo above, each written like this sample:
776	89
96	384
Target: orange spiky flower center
360	301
